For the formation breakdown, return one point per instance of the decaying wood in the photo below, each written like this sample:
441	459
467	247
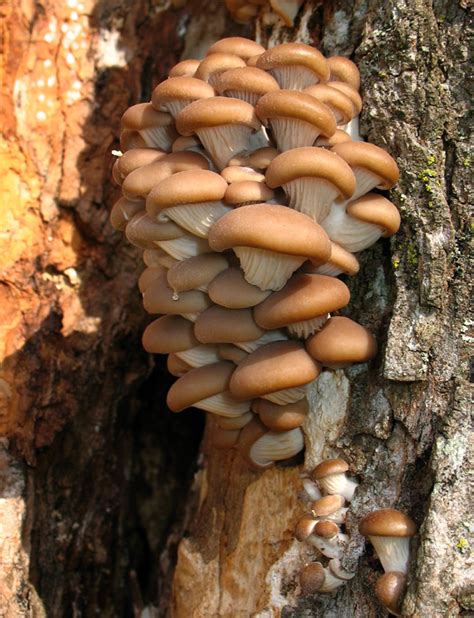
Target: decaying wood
88	482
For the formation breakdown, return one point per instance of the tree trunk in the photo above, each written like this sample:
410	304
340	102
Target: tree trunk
94	470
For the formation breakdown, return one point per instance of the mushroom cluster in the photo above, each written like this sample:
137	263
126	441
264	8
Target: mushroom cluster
245	11
247	195
329	490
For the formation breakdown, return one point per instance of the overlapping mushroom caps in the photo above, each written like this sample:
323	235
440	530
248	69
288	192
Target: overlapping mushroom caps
247	195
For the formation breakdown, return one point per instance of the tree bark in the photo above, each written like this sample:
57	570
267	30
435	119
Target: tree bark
93	470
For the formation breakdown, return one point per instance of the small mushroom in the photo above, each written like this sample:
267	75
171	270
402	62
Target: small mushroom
245	83
390	590
241	173
230	289
215	64
312	577
237	45
185	68
123	211
338	137
176	366
148	275
331	476
344	70
230	352
156	128
247	192
175	93
330	507
196	273
281	418
143	231
220	325
269	336
133	159
338	102
295	65
262	448
341	261
160	298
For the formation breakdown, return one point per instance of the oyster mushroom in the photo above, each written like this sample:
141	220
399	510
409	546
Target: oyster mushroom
331	477
175	93
156	128
295	66
247	83
237	45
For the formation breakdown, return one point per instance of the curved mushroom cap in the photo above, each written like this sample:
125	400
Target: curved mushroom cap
185	68
185	89
390	590
199	384
122	211
341	261
219	325
177	366
158	258
239	173
295	55
138	157
338	137
169	334
377	210
215	112
304	297
143	116
344	70
340	342
371	158
296	105
215	64
230	352
248	191
260	159
326	529
143	231
328	467
189	187
130	140
196	272
281	418
327	505
273	367
237	45
148	275
183	143
271	227
311	162
230	289
339	103
160	298
246	79
350	93
387	522
252	61
312	578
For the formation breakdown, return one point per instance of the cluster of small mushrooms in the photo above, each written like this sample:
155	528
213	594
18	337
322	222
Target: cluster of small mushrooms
245	11
328	489
242	184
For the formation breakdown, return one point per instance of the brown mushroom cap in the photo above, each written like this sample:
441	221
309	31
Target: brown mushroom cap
281	418
260	159
311	162
312	578
377	210
295	54
216	63
169	334
344	70
148	275
390	590
328	467
271	227
238	173
273	367
220	325
342	341
327	505
326	529
130	140
215	112
338	137
180	89
372	158
296	105
234	422
338	102
304	297
143	231
230	289
230	352
387	522
185	68
177	366
341	261
246	79
123	211
183	143
252	431
196	272
160	298
143	116
350	93
199	384
248	191
237	45
304	528
135	158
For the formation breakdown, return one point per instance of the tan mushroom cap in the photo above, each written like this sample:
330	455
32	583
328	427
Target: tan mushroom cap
271	227
311	162
196	272
179	89
238	173
194	186
341	260
295	54
169	334
216	63
143	116
122	211
143	231
281	418
160	298
199	384
304	297
237	45
220	325
338	137
387	522
148	275
327	505
390	590
312	578
344	70
328	467
273	367
304	528
350	93
326	529
252	61
377	210
261	158
230	289
340	342
177	366
296	105
230	352
372	158
339	103
248	191
138	157
252	431
158	257
185	68
183	143
129	140
246	79
215	112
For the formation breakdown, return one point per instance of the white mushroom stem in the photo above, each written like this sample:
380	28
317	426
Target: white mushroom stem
338	484
352	128
351	234
312	490
195	218
302	330
337	570
294	77
224	142
184	247
266	269
331	548
159	137
287	395
223	404
311	196
392	551
331	582
199	356
275	446
268	337
291	133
